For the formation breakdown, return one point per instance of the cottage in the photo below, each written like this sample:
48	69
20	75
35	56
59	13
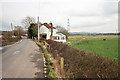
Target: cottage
47	31
60	37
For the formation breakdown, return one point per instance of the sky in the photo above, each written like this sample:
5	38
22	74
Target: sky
84	15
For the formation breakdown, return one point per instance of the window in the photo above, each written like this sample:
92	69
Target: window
58	38
63	38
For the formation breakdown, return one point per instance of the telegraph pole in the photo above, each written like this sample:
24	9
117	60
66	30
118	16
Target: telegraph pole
38	29
38	20
12	29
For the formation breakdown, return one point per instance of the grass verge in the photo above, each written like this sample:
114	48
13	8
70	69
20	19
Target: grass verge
51	73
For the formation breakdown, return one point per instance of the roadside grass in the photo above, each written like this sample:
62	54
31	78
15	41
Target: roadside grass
107	48
51	73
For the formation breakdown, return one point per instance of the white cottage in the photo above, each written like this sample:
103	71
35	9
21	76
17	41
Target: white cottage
47	31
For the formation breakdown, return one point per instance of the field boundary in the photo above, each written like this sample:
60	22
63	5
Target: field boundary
79	64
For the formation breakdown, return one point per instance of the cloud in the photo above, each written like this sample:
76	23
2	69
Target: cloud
0	17
110	8
14	12
84	15
77	13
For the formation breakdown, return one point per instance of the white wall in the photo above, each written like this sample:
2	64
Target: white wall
60	38
43	29
54	32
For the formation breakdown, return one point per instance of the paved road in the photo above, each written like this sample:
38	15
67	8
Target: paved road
22	60
0	63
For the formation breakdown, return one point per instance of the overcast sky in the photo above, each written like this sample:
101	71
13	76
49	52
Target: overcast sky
84	15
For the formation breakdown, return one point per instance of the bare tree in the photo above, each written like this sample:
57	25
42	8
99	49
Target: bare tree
27	21
18	31
62	30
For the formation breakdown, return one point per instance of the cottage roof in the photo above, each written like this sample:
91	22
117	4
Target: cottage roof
48	26
61	34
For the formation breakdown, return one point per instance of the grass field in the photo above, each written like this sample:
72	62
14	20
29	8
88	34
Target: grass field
96	45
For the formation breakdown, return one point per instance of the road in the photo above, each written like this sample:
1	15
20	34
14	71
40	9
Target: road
0	63
22	60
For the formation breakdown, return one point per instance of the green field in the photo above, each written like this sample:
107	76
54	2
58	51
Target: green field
96	45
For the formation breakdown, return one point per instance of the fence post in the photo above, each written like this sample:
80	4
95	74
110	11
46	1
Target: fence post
62	65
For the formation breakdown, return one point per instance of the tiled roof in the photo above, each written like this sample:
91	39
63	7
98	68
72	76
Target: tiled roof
48	26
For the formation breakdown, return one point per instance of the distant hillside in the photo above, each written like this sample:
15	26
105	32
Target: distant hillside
91	33
82	33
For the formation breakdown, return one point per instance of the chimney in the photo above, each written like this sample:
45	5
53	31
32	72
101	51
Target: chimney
51	24
51	36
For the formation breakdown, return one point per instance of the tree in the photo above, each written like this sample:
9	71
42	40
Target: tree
62	30
18	31
27	21
33	30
